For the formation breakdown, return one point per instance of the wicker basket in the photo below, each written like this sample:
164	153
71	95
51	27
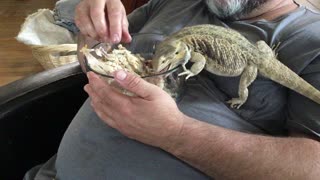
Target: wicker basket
52	56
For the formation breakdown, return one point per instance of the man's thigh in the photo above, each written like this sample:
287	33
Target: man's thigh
90	149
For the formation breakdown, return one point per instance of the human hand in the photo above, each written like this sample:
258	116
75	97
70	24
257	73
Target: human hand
103	20
151	117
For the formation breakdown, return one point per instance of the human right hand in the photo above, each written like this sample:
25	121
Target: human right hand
103	20
151	116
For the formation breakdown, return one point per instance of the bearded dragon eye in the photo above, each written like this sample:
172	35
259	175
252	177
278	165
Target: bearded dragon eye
177	52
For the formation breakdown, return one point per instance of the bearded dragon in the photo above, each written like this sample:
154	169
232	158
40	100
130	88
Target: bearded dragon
225	52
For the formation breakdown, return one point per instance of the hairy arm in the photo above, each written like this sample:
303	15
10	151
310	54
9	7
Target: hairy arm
220	153
228	154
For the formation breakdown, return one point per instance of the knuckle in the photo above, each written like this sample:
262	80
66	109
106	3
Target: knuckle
104	101
79	8
95	12
126	111
94	98
77	22
93	36
134	82
102	94
114	12
98	91
115	27
91	31
101	32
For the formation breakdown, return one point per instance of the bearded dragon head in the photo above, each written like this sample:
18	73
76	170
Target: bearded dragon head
169	54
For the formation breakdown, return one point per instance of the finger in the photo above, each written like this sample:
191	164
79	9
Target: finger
103	115
115	13
96	101
87	88
83	21
107	94
103	111
136	85
126	37
79	13
93	95
98	18
98	87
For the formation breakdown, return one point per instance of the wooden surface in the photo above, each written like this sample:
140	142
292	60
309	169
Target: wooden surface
16	60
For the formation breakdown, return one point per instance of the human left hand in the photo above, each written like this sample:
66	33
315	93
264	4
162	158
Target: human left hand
103	20
151	117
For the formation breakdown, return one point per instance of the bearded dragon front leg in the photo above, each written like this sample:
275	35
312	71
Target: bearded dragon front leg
199	63
248	76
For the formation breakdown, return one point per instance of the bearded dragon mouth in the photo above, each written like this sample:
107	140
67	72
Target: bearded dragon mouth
165	69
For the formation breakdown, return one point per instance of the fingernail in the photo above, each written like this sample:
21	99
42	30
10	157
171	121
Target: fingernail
121	75
116	38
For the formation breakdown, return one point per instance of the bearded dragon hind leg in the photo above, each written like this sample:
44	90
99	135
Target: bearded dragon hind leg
236	102
248	76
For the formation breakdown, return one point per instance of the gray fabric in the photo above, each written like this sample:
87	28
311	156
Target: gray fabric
44	171
117	158
63	14
268	106
92	150
105	153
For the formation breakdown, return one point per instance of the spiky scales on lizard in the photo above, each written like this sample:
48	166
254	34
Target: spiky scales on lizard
225	52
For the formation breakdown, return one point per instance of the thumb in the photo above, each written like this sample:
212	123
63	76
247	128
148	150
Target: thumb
136	85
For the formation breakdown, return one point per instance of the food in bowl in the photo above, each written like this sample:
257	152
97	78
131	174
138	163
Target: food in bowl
104	60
